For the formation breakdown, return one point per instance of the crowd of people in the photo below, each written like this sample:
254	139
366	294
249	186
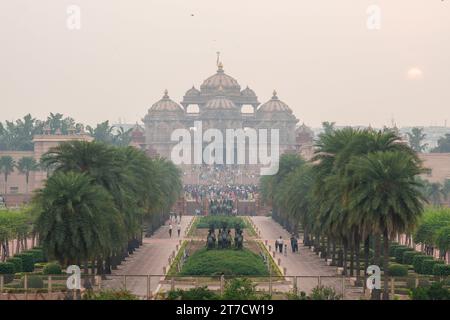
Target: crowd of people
220	192
223	174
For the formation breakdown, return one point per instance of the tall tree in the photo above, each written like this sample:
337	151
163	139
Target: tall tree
443	144
387	192
74	224
7	165
416	137
26	165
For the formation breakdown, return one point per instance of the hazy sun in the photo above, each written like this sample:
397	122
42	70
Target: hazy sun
414	73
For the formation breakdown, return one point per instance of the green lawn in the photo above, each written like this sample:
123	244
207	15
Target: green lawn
229	262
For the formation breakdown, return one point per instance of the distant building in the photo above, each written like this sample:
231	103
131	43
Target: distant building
220	103
16	186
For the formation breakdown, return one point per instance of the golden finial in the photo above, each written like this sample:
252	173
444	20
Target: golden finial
274	94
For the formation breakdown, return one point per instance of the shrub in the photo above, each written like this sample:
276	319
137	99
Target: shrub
399	253
427	266
324	293
27	261
17	264
436	291
52	268
408	256
33	282
392	249
200	293
240	289
38	255
441	270
218	222
7	270
417	262
398	270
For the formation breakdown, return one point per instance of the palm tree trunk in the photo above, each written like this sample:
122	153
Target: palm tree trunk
386	265
333	254
357	256
344	260
352	257
376	293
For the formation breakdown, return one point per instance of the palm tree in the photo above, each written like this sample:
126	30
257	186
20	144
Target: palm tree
26	165
388	194
75	218
7	164
435	193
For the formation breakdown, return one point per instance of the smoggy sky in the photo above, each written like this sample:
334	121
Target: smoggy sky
319	55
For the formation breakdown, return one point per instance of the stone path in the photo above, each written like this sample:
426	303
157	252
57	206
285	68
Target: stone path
149	259
304	264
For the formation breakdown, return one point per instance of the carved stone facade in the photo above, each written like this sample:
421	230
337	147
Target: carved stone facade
220	103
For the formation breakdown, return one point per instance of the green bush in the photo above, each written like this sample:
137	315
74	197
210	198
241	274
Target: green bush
27	261
441	270
240	289
33	282
392	249
17	264
408	256
399	253
52	268
427	266
7	270
324	293
417	262
227	262
38	255
218	222
436	291
200	293
398	270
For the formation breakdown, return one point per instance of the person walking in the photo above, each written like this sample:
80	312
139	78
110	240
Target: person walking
293	243
285	250
179	229
170	230
280	244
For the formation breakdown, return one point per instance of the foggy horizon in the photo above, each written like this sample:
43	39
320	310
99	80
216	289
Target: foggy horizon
320	58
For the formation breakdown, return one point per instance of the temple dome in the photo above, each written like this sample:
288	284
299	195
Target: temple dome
274	105
220	79
166	104
220	103
192	92
247	92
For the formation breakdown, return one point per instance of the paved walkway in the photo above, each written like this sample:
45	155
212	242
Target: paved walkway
149	259
305	264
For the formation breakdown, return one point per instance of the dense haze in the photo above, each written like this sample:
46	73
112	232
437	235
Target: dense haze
318	55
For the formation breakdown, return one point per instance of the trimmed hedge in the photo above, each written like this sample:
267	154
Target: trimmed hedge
398	270
27	261
418	260
428	265
392	249
18	267
38	255
441	270
399	253
7	270
408	256
33	282
52	268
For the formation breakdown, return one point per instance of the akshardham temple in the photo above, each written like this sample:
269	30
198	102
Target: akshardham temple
221	103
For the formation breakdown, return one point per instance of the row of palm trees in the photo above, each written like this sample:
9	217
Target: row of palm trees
25	165
93	207
357	193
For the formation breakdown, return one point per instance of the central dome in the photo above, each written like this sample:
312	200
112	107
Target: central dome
220	79
220	103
